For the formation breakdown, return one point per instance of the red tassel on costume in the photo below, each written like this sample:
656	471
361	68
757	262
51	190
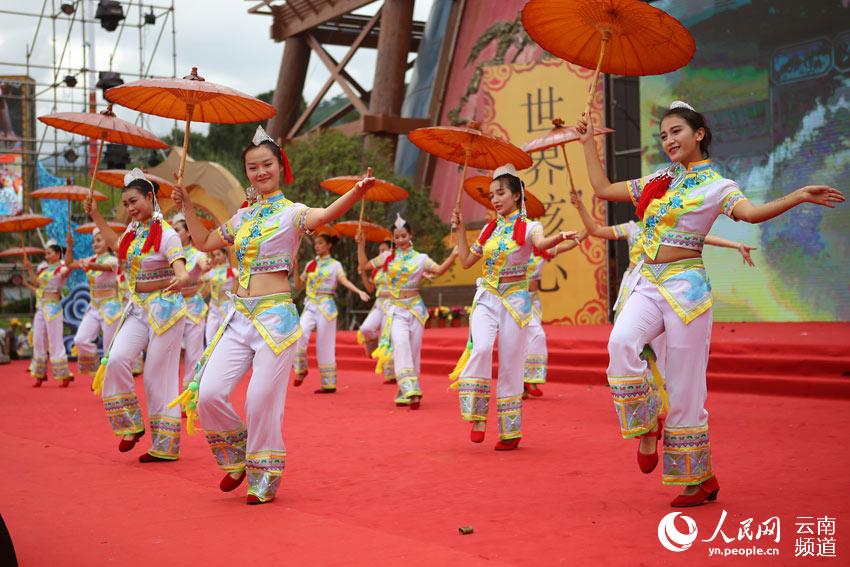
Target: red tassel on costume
519	231
154	238
244	204
389	259
545	254
488	230
124	245
287	169
655	189
311	267
57	270
229	273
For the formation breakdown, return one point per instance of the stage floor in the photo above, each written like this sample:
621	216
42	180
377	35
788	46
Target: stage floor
371	484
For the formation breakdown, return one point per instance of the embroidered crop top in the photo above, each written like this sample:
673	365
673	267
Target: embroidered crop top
219	283
503	257
153	265
193	264
265	235
323	280
104	280
406	269
535	267
684	215
50	278
628	230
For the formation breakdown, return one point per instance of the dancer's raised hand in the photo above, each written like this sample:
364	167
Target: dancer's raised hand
821	195
367	181
88	206
745	254
457	218
180	196
584	127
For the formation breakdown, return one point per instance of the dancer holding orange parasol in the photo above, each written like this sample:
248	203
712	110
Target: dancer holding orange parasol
502	307
103	127
668	292
105	306
401	334
260	331
152	321
320	279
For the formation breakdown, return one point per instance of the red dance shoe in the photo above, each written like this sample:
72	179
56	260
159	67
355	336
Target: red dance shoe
65	383
299	379
401	405
532	390
229	483
707	491
415	405
252	500
39	382
148	458
127	444
648	462
477	436
389	381
325	391
507	444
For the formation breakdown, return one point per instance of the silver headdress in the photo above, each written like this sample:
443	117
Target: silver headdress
178	217
95	232
50	243
681	104
260	136
399	221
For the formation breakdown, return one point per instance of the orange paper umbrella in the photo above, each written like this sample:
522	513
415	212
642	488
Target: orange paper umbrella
478	188
89	227
115	178
621	37
380	191
68	193
328	230
104	127
468	146
560	135
21	251
371	231
191	98
23	223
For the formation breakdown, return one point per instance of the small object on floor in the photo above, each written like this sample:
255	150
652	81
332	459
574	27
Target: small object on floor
465	530
325	391
507	444
706	492
229	483
127	444
252	500
148	458
38	382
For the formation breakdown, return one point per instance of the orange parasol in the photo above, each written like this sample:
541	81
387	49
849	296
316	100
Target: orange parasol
380	191
23	223
105	127
21	251
328	230
89	227
468	146
560	136
478	188
68	193
115	178
637	38
190	98
371	231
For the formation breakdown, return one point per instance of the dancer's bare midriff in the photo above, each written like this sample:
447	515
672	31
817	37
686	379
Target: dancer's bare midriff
266	284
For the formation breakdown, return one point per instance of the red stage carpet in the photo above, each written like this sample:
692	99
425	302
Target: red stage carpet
370	484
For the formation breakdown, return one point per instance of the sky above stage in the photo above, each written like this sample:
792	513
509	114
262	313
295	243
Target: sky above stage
226	43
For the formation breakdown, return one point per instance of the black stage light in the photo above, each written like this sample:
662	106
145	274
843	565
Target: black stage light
70	81
70	155
110	13
108	79
116	156
155	158
67	8
150	18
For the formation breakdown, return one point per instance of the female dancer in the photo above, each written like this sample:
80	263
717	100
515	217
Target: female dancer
502	306
196	308
678	205
370	329
152	321
321	276
105	307
47	325
220	279
401	337
261	330
538	356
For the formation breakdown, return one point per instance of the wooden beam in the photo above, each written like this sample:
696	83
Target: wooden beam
283	27
330	81
383	124
329	64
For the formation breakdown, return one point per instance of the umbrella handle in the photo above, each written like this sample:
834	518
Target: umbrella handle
189	109
96	166
362	209
462	179
569	170
590	91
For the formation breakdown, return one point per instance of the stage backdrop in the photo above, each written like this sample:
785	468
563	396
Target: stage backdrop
502	79
773	79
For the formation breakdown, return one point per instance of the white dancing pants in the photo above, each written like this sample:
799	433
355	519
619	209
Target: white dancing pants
406	337
48	340
193	343
86	340
313	320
